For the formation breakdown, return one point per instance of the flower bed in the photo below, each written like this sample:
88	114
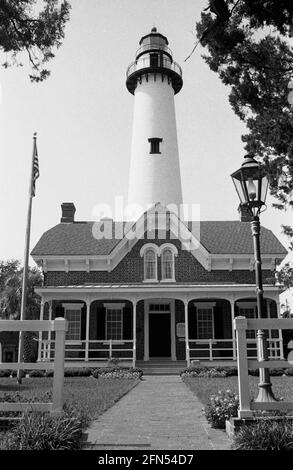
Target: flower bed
117	372
201	371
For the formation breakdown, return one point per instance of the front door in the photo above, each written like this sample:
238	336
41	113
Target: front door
160	334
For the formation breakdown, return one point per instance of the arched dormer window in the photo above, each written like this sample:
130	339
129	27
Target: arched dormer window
168	253
150	253
150	265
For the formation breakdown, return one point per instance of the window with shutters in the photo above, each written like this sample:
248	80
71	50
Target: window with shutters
205	323
72	313
205	320
114	323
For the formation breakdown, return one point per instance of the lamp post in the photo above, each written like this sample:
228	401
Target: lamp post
251	184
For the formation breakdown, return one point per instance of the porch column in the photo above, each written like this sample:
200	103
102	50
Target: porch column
186	333
233	305
134	303
87	330
41	333
50	333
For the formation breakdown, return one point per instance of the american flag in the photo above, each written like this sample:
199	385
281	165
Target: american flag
36	172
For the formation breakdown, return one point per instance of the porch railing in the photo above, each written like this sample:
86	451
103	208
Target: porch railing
226	349
91	350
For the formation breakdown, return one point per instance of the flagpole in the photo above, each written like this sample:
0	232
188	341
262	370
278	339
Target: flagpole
26	262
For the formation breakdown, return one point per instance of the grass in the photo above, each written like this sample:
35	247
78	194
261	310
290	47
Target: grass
88	394
204	387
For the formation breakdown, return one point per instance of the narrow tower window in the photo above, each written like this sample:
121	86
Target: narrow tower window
154	60
155	144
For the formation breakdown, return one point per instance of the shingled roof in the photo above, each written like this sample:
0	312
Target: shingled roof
218	237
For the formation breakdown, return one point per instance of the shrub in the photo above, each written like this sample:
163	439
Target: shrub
72	372
41	431
5	373
221	407
49	373
277	372
254	372
36	373
78	372
265	434
289	371
118	372
230	371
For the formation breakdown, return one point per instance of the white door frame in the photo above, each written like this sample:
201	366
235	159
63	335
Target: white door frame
147	323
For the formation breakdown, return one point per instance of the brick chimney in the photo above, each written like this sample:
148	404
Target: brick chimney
245	215
68	211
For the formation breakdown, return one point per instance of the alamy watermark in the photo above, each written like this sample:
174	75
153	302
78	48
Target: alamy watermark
132	221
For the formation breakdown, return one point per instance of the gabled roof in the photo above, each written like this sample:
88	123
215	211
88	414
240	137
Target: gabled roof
217	237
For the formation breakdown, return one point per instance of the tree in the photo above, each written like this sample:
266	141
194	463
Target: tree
33	27
10	298
249	49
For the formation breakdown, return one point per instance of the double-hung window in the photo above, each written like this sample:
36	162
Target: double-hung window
72	313
167	260
114	321
150	265
205	321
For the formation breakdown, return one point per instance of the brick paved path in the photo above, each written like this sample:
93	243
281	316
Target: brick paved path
159	413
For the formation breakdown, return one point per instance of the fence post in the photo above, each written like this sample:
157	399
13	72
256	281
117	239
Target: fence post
60	327
240	325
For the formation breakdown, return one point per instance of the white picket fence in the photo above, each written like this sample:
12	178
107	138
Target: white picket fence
241	324
60	326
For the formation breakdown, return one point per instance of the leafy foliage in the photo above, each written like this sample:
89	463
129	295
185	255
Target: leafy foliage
41	431
10	300
221	407
265	434
34	27
250	52
11	288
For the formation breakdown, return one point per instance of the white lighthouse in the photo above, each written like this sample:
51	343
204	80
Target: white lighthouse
154	78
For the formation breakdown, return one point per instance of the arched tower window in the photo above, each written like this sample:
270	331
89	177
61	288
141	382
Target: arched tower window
167	260
150	265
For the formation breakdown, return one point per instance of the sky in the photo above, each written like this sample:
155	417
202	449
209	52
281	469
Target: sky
83	117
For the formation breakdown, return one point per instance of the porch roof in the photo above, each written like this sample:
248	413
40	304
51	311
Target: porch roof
171	290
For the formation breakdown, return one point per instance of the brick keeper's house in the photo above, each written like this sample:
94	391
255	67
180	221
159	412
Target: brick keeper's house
170	293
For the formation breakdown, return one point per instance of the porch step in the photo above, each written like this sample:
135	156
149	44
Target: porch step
161	367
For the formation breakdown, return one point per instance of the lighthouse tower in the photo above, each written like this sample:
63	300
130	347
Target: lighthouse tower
154	78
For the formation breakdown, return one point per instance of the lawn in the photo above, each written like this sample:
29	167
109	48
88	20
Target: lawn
92	396
204	387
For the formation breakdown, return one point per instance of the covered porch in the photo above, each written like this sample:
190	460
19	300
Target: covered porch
146	323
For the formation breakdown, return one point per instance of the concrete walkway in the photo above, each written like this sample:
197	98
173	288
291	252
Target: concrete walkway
159	413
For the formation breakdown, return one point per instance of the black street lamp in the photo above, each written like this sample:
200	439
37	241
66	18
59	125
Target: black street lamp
251	184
